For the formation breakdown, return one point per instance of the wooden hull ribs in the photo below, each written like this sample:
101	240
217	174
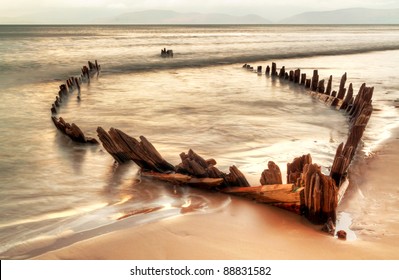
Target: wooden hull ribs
307	190
72	85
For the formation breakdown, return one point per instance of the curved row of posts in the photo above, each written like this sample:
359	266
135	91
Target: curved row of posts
71	85
307	191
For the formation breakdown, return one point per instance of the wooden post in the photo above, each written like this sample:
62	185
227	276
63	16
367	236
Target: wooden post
291	76
303	78
315	80
267	70
53	109
295	168
193	164
320	86
342	89
274	67
320	195
272	175
259	69
72	131
348	98
308	83
297	76
282	73
236	178
341	163
329	85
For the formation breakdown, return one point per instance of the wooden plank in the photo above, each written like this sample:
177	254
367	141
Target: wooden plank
277	193
182	179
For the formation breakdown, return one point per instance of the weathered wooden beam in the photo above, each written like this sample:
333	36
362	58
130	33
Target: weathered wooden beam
111	147
308	83
342	89
315	80
295	168
297	76
329	86
272	175
320	86
181	179
276	193
320	195
267	72
72	131
236	178
282	73
303	78
347	99
291	76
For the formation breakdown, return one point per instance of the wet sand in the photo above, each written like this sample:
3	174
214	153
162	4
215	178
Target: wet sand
244	230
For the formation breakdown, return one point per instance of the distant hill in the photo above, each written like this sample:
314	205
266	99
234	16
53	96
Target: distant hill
171	17
112	16
346	16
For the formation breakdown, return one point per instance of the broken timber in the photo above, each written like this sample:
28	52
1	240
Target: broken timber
73	84
308	191
72	131
166	53
321	193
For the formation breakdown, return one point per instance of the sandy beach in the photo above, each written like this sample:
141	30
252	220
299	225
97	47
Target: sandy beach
63	200
243	230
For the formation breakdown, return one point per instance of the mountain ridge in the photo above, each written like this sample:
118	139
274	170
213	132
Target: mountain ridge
346	16
172	17
102	16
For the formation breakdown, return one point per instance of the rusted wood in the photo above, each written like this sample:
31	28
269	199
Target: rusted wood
297	76
295	168
329	86
291	76
267	72
274	69
166	53
303	78
72	131
111	147
276	193
320	86
347	98
53	109
272	175
308	83
236	178
320	193
282	73
362	100
143	153
195	165
181	179
342	89
315	80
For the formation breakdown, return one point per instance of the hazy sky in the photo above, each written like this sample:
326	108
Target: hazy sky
267	8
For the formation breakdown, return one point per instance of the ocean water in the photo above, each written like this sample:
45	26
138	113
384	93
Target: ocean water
54	189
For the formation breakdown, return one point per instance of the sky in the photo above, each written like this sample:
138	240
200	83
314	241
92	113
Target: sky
270	9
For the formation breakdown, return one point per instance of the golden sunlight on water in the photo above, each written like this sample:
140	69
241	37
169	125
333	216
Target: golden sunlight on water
62	214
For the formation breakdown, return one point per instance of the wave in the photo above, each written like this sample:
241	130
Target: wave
209	61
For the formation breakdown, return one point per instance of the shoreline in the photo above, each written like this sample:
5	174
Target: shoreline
244	230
